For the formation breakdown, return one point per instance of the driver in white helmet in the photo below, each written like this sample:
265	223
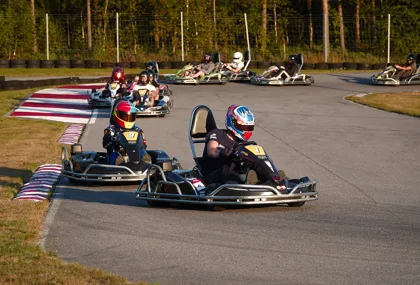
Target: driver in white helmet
237	63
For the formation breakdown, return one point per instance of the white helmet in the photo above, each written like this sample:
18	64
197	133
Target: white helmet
237	57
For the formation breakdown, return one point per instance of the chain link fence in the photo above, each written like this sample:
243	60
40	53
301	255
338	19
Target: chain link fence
144	37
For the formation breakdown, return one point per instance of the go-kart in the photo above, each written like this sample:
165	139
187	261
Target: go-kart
160	107
164	185
131	163
244	75
385	77
278	76
98	99
184	75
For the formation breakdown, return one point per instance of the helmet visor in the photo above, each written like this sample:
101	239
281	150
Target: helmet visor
243	128
127	117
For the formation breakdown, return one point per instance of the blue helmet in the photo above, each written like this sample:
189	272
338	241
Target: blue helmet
240	121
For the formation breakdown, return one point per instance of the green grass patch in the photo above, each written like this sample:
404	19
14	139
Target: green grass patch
26	144
407	103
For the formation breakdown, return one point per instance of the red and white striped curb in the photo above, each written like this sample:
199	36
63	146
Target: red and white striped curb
72	134
40	184
63	104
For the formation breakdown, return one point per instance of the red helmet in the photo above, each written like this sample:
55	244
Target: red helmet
125	115
118	74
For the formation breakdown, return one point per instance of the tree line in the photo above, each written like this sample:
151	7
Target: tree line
86	29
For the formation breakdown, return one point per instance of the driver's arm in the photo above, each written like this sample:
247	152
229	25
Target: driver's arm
212	149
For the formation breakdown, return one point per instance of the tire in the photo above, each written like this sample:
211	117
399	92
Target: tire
321	65
4	63
91	63
335	66
379	66
263	64
296	204
46	63
107	64
364	66
178	64
253	65
308	81
136	64
123	64
17	63
157	204
32	63
165	65
349	65
62	63
77	63
307	66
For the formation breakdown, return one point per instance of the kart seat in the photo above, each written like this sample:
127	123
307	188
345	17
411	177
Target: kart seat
247	59
299	61
201	122
418	64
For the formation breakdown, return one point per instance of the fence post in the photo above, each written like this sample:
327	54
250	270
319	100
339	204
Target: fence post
118	42
326	37
182	38
48	42
389	39
247	35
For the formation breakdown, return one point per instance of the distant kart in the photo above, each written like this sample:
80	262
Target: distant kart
164	185
93	166
244	75
161	108
97	99
385	76
183	76
278	76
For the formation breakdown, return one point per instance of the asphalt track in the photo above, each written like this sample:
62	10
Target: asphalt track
364	229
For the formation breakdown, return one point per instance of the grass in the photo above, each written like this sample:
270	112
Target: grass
407	103
26	144
53	72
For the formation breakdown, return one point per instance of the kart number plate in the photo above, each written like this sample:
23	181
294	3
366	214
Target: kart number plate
256	149
131	136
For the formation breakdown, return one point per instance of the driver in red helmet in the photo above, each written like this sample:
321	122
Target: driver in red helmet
123	118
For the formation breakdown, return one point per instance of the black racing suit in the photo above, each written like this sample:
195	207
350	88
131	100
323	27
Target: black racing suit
219	170
108	140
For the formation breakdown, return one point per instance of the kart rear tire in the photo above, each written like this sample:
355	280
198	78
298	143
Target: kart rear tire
157	204
296	204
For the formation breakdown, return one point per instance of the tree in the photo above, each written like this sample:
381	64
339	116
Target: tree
340	14
34	25
264	26
310	25
357	19
89	26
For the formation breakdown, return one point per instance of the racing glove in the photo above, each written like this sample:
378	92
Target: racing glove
226	154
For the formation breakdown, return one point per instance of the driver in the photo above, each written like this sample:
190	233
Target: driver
405	70
291	66
237	63
117	76
144	83
204	68
220	144
123	118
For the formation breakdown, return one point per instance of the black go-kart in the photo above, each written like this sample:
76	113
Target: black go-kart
164	185
385	77
278	76
131	164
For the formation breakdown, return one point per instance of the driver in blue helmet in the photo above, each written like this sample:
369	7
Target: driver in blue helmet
220	145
